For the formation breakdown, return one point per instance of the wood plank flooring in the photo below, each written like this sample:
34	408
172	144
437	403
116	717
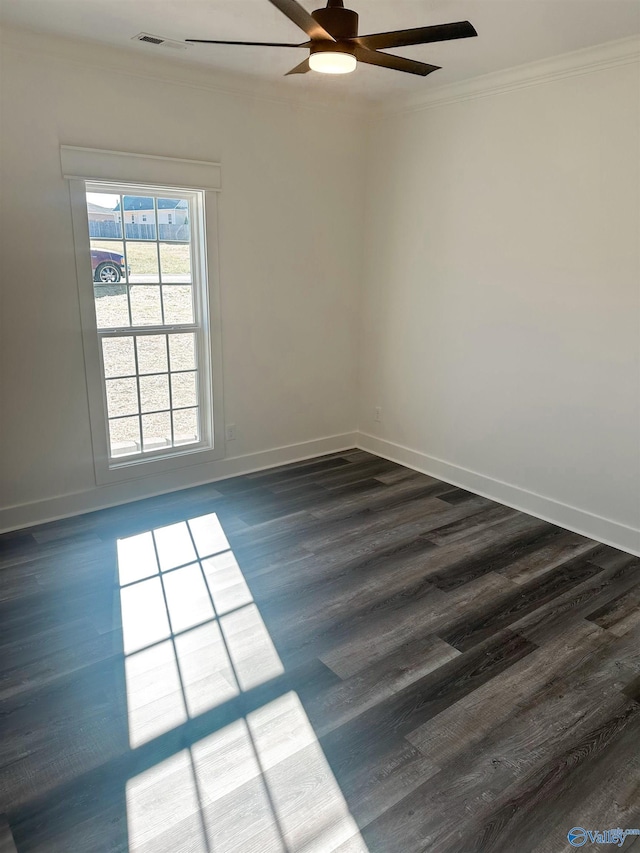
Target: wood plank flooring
6	838
336	656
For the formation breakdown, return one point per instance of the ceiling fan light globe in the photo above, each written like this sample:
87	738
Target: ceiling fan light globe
332	62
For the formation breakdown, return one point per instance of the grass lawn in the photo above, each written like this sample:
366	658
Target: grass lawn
142	257
147	303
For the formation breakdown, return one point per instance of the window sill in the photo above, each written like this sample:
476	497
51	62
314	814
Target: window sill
137	468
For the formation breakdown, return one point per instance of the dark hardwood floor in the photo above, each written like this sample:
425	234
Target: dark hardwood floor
338	655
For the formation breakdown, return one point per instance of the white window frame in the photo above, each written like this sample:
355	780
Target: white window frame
211	447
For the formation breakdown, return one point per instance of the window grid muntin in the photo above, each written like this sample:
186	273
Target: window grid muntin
147	192
159	373
154	412
140	413
197	327
166	344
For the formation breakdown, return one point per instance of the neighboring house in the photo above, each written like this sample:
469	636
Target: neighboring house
101	214
103	221
139	219
138	210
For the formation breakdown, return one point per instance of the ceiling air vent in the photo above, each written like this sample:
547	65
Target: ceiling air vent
160	42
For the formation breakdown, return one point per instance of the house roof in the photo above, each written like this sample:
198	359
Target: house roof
137	202
96	208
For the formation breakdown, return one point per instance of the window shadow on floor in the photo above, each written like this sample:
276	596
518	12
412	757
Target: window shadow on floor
194	736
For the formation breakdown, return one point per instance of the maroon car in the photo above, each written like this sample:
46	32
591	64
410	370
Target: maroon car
107	267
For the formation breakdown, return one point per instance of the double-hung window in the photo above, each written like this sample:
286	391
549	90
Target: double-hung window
147	325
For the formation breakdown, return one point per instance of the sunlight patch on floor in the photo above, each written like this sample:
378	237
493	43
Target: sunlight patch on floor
260	785
194	639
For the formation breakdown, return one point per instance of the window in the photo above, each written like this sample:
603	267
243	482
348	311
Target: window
149	304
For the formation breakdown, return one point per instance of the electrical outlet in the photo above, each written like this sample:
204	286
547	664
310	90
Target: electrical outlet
377	414
230	432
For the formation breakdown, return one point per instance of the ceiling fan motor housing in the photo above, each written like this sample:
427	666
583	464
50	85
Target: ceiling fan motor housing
332	47
340	22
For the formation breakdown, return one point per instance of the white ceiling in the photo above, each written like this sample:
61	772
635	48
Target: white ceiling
510	32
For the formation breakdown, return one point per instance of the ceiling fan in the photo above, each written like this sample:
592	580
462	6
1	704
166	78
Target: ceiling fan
336	48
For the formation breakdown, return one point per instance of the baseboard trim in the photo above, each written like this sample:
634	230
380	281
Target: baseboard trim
101	497
578	520
114	494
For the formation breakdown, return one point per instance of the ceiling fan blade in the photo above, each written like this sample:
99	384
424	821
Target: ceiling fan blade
254	43
299	15
397	63
300	69
419	35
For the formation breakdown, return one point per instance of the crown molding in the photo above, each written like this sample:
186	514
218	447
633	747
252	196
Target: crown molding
585	61
81	53
186	73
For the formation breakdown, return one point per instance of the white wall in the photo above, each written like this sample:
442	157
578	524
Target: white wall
290	242
501	303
